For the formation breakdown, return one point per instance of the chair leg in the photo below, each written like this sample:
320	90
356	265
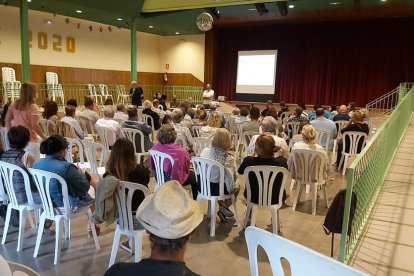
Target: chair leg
325	195
22	226
345	162
279	226
208	209
67	229
295	198
254	216
292	184
340	161
95	237
234	205
39	234
58	244
308	188
6	224
275	220
213	218
138	240
314	198
115	246
248	211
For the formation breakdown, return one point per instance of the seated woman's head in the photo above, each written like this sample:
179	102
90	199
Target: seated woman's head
19	137
166	134
54	145
309	134
177	115
358	116
202	116
70	110
214	120
222	139
265	146
147	104
122	159
50	109
269	124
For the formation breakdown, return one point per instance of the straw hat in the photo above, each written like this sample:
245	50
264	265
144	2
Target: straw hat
170	213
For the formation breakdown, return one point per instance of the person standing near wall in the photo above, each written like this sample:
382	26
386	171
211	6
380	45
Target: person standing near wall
136	93
24	112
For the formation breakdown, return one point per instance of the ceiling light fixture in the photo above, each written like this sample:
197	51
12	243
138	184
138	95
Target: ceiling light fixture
29	1
151	27
78	11
291	6
119	19
48	22
383	0
334	3
251	9
177	33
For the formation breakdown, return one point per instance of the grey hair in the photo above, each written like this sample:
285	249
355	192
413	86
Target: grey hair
120	107
166	134
236	111
147	104
177	115
109	112
269	124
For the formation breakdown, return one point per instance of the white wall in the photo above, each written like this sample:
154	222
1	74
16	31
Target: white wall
99	50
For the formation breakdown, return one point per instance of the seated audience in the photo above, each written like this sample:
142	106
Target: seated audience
265	149
273	113
219	151
213	108
183	132
89	111
190	102
176	217
323	124
297	137
333	110
132	122
269	127
156	108
351	108
163	100
121	166
283	108
342	114
70	120
213	124
312	115
174	103
356	123
55	148
108	122
202	118
187	121
166	137
269	105
74	103
244	113
254	124
120	114
50	111
299	116
304	111
155	117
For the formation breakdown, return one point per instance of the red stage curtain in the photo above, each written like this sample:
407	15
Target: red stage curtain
322	63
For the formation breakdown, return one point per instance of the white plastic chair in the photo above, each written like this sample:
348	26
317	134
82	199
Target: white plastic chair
87	127
10	85
202	168
103	90
136	136
309	168
7	172
354	138
159	159
246	138
265	176
103	135
325	139
180	140
4	138
292	128
284	117
48	126
42	180
339	126
196	131
121	94
302	260
54	89
149	121
92	149
199	144
21	270
69	155
124	226
92	93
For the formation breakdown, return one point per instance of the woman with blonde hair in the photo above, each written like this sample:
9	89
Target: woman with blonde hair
213	124
219	151
24	112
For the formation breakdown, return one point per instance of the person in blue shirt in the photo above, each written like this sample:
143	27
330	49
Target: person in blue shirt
312	115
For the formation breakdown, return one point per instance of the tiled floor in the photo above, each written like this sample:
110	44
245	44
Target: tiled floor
225	254
387	245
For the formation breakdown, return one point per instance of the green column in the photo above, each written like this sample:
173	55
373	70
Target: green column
24	38
134	25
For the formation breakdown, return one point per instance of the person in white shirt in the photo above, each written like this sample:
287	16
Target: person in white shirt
269	126
69	119
208	95
182	131
323	124
120	114
108	122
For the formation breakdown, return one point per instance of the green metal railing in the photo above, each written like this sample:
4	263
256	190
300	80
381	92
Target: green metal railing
79	91
367	173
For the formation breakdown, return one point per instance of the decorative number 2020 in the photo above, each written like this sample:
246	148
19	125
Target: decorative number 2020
42	42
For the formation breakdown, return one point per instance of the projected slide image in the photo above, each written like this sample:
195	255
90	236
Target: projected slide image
256	70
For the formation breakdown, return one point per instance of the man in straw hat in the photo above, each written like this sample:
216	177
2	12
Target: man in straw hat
170	216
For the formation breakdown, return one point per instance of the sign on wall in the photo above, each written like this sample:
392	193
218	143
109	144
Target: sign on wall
55	42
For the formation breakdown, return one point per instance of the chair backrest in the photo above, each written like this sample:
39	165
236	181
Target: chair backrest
199	144
180	140
160	160
230	126
92	150
86	125
65	130
52	78
42	180
8	74
48	126
284	116
293	128
4	138
7	172
103	89
266	176
308	165
227	115
74	142
324	139
149	120
3	195
202	169
340	125
136	137
103	134
302	260
91	89
246	138
356	140
196	131
123	197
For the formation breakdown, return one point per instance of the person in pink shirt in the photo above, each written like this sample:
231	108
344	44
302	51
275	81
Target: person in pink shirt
24	112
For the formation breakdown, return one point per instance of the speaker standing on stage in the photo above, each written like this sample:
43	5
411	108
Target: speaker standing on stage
208	95
136	93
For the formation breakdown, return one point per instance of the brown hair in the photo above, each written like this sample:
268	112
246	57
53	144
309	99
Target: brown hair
50	109
122	159
222	139
28	94
70	110
265	146
214	120
358	116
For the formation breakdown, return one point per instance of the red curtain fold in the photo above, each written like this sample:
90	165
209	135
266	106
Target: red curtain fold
322	63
